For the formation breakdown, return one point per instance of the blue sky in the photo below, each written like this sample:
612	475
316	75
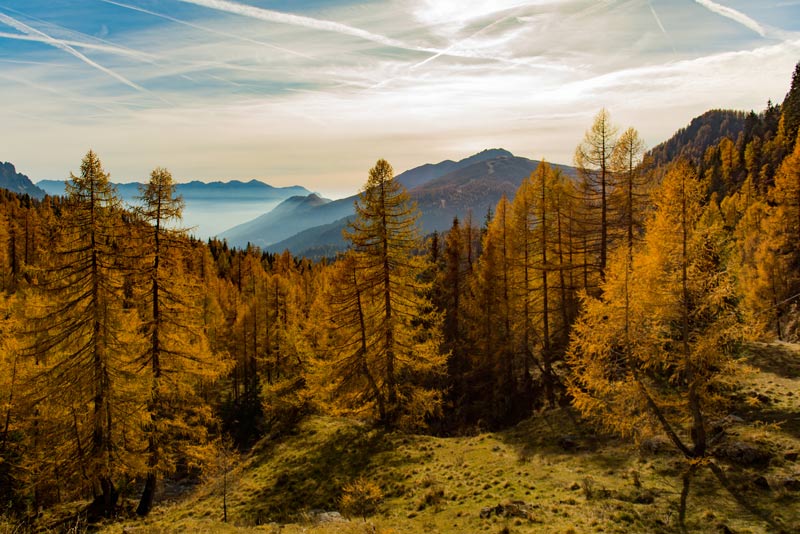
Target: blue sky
313	92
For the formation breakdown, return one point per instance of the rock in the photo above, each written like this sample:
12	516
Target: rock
720	425
322	516
575	486
655	445
791	483
330	517
508	509
744	454
568	443
761	482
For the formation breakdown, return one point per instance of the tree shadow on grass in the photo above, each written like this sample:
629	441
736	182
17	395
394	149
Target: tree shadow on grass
558	433
309	470
782	359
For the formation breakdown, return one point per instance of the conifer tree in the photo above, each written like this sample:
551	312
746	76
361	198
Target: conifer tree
790	110
654	353
490	309
177	354
82	338
630	192
401	332
593	158
544	300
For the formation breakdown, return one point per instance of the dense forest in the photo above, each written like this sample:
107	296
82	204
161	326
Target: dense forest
132	353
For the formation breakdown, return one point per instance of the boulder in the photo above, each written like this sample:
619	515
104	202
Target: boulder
744	454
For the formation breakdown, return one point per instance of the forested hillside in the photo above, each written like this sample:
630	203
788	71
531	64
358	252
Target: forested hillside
625	297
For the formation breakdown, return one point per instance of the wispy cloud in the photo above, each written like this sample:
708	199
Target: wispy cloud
24	28
269	15
413	81
79	44
207	29
734	15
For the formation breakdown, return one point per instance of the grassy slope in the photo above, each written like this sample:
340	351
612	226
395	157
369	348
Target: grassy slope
441	484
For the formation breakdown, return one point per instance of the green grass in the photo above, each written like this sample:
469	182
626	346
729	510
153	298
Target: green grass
441	485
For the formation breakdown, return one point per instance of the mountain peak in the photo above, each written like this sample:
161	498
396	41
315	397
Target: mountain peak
17	182
419	176
490	153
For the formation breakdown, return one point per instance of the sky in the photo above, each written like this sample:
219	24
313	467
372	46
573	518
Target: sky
313	92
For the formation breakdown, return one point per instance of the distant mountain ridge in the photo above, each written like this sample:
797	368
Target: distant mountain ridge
430	171
195	190
275	227
17	182
443	191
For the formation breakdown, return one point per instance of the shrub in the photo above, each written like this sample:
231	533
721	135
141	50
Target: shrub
361	497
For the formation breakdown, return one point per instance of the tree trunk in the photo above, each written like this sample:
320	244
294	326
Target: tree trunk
148	495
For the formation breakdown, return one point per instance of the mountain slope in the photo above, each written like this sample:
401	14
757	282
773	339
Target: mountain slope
421	175
291	216
273	231
551	474
17	182
210	207
475	188
702	132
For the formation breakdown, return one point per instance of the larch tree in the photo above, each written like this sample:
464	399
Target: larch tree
489	315
630	194
177	354
543	299
402	331
593	158
654	353
83	340
452	283
778	259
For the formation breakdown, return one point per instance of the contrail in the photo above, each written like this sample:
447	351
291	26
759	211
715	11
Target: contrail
456	44
269	15
734	15
24	28
207	29
658	21
80	44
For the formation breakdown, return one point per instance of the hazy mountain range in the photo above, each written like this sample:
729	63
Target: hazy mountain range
211	207
442	191
294	218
